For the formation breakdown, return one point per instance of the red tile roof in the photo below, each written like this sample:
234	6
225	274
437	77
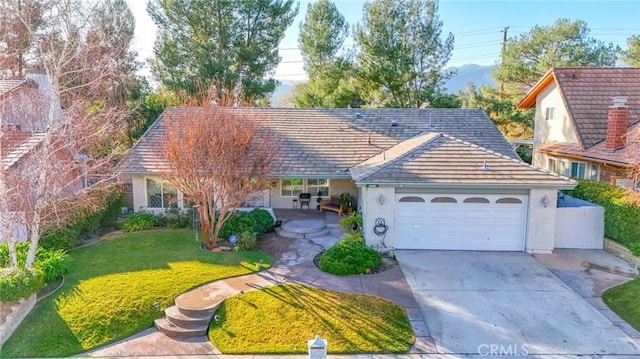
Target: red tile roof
587	94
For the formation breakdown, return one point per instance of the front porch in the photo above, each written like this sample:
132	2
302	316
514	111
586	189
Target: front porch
307	223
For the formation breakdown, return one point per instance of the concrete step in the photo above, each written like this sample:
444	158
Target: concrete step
176	331
177	317
304	226
192	303
285	233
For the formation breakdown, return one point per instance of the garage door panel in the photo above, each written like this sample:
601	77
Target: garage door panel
461	222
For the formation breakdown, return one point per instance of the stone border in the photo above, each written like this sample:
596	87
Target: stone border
19	310
621	251
53	291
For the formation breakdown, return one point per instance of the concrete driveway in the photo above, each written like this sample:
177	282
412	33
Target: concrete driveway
505	303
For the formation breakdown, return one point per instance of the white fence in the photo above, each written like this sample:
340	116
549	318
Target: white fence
579	224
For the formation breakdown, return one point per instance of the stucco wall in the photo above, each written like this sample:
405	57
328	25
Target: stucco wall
541	221
372	209
559	129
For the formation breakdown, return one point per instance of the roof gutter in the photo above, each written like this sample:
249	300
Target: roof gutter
570	185
583	158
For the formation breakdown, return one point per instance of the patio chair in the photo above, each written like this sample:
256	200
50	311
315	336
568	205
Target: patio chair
305	199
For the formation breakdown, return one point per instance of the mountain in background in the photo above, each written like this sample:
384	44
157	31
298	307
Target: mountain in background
478	74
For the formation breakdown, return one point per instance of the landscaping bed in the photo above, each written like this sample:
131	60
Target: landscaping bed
118	286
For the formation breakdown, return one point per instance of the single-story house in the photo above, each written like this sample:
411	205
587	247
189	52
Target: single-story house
423	178
582	117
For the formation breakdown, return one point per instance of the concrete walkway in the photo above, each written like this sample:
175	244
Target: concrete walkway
293	263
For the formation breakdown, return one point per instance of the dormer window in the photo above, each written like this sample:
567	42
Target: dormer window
548	114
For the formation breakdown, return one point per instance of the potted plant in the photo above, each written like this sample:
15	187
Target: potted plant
346	201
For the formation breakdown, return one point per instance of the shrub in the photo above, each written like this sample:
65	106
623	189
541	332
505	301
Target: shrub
63	238
352	223
18	283
621	222
246	241
178	219
139	222
355	236
349	257
263	220
53	264
238	222
89	219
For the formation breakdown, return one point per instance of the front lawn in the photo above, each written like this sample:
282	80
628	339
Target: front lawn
281	319
625	301
113	285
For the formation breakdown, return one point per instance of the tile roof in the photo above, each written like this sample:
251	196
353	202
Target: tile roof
436	159
587	95
22	149
7	85
327	142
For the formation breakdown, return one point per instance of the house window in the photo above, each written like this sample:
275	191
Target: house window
583	170
557	166
548	113
160	194
318	185
291	187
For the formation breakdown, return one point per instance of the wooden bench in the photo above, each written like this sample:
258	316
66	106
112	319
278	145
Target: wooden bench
332	204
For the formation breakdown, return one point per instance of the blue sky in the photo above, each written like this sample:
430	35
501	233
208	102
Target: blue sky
475	24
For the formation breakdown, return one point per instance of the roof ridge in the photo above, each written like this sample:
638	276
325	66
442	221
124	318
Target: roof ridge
500	155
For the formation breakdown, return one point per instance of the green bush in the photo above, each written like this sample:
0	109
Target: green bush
63	238
53	264
349	257
264	222
238	222
354	236
21	254
139	222
18	283
352	223
177	219
246	241
621	217
88	220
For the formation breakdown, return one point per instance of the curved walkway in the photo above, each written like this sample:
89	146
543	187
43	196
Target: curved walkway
293	263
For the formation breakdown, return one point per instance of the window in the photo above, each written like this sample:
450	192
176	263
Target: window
578	170
160	194
476	200
318	185
510	200
548	113
291	187
411	199
444	200
556	166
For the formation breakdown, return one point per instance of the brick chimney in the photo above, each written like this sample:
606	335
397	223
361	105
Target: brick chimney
617	122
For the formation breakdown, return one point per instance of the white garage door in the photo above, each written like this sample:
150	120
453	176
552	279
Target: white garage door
493	222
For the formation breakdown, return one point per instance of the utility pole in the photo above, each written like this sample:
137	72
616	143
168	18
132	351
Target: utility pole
504	47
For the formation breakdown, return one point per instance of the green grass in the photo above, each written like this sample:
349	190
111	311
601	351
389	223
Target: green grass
280	319
625	301
112	287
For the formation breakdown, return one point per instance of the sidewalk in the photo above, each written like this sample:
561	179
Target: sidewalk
293	263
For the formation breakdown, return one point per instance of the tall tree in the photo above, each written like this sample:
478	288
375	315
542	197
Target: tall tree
330	68
233	44
632	55
218	161
401	54
19	22
77	131
565	43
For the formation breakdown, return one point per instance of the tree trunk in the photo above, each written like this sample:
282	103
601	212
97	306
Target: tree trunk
34	238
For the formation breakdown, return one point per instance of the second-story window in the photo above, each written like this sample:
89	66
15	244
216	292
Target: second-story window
548	113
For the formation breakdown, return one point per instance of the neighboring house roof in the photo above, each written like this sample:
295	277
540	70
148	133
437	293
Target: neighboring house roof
587	94
328	142
8	85
440	159
21	149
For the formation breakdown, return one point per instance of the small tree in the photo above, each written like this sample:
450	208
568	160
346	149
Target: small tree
218	158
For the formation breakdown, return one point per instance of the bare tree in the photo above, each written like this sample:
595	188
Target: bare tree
73	135
632	146
218	158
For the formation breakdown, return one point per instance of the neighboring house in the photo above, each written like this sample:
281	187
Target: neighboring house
581	119
427	178
23	119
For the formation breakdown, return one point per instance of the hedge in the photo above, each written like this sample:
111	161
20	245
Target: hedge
18	283
621	216
349	256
